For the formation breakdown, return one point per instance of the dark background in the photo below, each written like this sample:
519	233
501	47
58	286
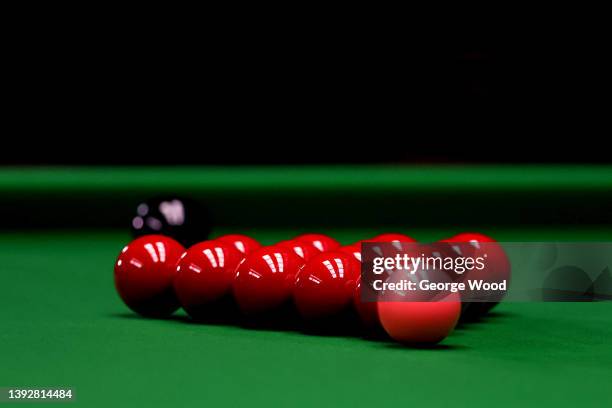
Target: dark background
254	101
168	96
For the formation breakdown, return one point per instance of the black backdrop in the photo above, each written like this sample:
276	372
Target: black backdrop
465	100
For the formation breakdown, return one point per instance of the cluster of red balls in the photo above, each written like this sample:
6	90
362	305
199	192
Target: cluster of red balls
155	275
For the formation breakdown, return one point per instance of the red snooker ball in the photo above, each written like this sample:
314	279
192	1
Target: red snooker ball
321	242
420	322
301	249
205	274
353	249
497	268
472	236
391	237
242	243
325	285
144	272
419	316
367	311
264	280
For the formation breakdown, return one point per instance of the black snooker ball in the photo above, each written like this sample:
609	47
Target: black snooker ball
182	219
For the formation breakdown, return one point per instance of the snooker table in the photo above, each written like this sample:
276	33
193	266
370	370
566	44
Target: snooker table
64	325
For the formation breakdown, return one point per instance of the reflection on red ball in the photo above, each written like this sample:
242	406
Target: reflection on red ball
144	272
265	279
242	243
301	249
325	285
205	274
322	242
353	249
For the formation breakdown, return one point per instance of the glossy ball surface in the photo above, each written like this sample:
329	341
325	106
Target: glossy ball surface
420	323
144	273
367	311
472	236
319	241
264	280
179	218
497	269
326	284
242	243
353	249
391	237
421	317
204	275
301	249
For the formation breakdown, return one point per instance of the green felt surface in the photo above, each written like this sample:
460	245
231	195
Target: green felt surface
317	196
320	178
63	324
